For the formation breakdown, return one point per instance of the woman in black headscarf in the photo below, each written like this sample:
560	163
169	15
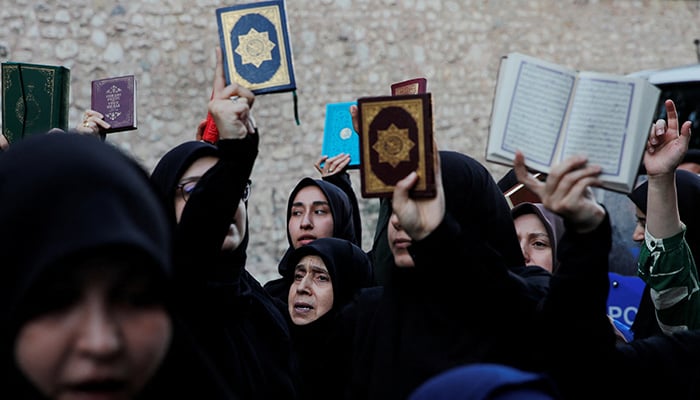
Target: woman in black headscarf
459	302
80	224
243	330
317	290
341	210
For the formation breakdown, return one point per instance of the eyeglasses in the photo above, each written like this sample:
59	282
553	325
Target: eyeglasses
187	186
246	191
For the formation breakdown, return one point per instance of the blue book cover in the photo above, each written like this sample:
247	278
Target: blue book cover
255	45
338	134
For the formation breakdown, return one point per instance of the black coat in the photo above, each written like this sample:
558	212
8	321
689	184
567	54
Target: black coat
242	329
460	304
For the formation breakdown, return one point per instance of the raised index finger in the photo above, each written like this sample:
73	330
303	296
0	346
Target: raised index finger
672	115
219	76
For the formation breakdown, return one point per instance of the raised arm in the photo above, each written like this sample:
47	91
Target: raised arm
665	150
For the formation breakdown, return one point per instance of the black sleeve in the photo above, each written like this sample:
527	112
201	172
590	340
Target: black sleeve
210	209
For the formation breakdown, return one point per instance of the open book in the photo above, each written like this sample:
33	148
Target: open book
550	112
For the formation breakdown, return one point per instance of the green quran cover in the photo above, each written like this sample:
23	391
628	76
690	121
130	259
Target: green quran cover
35	99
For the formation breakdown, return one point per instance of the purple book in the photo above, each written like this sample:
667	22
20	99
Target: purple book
115	98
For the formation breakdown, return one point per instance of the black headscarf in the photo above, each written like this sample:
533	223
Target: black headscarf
688	189
348	266
64	195
168	173
316	343
460	302
473	198
240	327
174	163
343	228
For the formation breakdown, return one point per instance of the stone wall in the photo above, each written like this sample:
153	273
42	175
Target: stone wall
342	50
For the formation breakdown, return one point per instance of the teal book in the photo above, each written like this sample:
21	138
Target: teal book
339	135
35	99
255	44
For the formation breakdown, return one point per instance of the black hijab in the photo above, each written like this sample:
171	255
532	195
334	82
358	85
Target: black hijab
459	304
473	198
240	327
65	196
168	173
343	228
316	343
348	266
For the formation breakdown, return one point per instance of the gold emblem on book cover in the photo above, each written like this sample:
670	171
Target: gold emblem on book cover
255	47
393	145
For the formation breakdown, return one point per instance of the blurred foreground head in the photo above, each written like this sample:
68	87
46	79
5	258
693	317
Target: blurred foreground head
86	247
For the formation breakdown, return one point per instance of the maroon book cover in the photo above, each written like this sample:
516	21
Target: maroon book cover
396	138
115	98
411	86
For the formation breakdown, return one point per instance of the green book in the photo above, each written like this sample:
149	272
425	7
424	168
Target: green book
35	99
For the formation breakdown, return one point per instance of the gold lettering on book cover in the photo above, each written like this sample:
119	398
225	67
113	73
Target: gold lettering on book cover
393	145
255	47
408	89
113	96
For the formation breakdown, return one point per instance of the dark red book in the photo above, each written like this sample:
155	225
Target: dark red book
115	98
411	86
396	138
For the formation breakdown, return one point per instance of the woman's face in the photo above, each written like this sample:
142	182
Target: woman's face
311	292
534	241
640	227
187	182
99	333
310	216
399	242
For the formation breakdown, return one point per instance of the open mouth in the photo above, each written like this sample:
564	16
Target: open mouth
303	307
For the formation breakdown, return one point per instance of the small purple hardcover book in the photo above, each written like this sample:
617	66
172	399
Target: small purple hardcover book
115	98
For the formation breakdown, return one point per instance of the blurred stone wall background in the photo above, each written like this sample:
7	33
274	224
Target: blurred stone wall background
342	50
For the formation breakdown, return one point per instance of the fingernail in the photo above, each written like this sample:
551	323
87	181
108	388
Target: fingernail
659	131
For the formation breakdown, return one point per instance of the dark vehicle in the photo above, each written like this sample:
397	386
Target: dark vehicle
682	85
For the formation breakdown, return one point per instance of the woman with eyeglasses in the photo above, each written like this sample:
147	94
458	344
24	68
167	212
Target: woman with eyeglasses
206	186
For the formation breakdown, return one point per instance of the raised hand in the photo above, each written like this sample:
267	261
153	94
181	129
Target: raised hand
419	216
332	165
230	105
92	124
667	145
567	190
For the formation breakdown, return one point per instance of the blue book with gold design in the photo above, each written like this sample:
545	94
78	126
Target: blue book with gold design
255	45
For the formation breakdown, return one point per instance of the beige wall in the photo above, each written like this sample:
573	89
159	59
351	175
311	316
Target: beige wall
342	49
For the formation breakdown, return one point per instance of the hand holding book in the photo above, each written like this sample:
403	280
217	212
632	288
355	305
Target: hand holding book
229	108
551	112
419	216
